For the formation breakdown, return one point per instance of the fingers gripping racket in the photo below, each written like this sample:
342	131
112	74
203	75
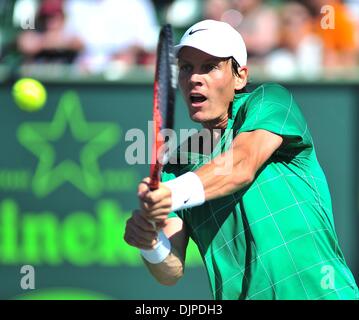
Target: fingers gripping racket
163	101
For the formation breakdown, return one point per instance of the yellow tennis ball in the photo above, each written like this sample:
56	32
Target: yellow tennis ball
29	94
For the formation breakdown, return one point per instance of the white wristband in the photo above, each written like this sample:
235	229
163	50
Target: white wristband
161	250
187	191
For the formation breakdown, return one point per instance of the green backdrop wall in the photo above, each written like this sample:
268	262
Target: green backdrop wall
66	189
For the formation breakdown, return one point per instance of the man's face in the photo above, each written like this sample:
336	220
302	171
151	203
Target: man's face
208	85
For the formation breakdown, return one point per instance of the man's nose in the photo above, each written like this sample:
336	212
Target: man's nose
196	78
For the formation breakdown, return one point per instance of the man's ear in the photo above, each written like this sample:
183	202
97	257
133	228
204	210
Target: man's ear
240	80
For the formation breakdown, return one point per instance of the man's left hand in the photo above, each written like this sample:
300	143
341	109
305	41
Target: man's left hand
155	205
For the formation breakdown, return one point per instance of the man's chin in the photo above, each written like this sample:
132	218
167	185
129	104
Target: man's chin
196	118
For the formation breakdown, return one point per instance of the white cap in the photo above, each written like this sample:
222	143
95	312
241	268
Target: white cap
216	38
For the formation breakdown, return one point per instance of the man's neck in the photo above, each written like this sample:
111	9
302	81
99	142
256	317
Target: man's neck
220	124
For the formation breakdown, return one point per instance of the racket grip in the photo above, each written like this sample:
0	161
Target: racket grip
153	223
155	176
154	183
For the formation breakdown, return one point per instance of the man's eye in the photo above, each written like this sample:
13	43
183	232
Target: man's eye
185	68
210	66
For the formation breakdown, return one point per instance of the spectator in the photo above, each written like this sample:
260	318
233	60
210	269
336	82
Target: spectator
339	39
300	51
183	13
216	9
123	31
353	7
49	42
259	28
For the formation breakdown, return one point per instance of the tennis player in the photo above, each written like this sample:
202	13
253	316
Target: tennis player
265	227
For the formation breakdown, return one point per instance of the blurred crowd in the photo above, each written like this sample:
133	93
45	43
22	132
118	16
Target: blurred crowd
284	38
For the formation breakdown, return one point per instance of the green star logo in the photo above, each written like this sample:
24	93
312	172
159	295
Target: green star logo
98	138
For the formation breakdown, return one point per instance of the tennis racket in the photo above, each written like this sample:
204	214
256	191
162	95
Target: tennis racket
163	102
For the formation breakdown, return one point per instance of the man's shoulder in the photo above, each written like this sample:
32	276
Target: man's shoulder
270	90
268	94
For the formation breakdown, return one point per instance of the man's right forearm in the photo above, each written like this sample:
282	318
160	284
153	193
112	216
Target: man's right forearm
169	271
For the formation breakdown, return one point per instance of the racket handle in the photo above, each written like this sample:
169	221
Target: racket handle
155	177
154	183
153	223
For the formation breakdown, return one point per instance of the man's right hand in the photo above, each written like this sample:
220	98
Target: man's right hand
139	232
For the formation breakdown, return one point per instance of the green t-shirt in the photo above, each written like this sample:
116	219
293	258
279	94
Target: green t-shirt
274	239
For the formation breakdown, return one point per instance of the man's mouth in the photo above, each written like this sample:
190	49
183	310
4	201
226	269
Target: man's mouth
197	98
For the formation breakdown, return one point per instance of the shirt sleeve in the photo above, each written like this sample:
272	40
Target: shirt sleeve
273	108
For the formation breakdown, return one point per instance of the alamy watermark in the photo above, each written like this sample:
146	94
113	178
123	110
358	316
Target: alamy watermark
328	280
328	20
209	145
28	23
28	280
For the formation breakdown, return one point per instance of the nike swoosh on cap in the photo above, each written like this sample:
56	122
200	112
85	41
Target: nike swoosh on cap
194	31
